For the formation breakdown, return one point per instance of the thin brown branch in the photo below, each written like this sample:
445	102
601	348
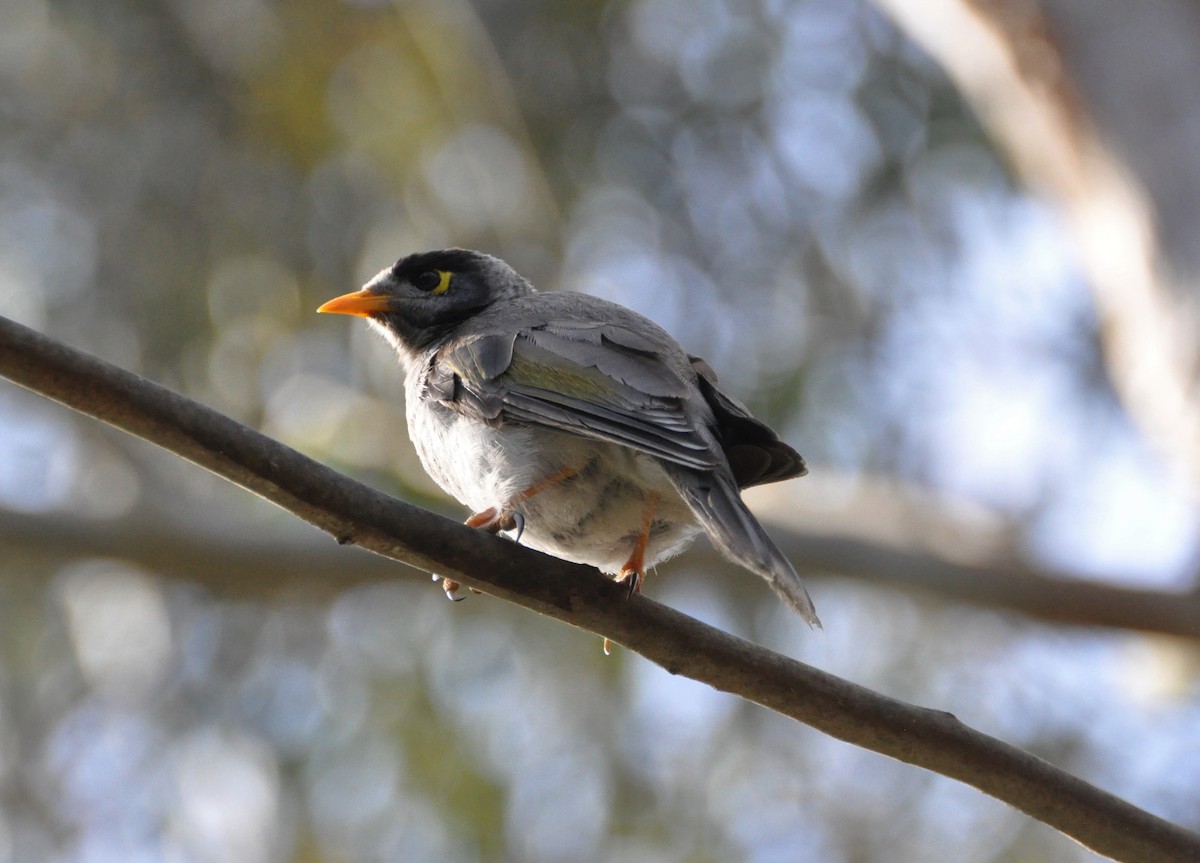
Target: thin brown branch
580	596
1002	584
279	560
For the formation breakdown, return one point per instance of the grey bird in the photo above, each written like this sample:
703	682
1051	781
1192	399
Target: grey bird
575	421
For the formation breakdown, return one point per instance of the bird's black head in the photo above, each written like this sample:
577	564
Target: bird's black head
424	296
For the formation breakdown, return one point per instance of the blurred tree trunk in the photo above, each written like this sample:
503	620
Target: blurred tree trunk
1138	70
1094	103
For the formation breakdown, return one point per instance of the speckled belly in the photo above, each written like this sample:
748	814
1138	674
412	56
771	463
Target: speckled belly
596	514
589	499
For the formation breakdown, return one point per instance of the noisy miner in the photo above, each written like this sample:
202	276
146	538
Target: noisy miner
572	420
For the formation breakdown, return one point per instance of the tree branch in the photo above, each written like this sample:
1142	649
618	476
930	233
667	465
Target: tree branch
996	584
578	595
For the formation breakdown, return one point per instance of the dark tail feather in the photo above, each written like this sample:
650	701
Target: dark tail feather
736	532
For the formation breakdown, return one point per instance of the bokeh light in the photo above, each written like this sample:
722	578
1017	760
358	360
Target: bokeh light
793	189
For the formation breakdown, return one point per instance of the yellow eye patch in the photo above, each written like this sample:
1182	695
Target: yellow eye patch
444	284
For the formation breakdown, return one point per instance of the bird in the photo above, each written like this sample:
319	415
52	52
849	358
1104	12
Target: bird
575	422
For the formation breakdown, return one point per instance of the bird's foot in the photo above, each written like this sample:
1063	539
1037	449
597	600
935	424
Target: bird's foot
452	588
495	520
634	570
632	578
492	520
633	573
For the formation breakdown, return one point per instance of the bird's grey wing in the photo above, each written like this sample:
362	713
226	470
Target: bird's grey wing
610	383
598	380
755	452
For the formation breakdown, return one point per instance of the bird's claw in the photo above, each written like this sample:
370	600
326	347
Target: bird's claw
632	579
492	520
452	588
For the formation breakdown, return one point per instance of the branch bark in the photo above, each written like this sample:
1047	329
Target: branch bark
580	596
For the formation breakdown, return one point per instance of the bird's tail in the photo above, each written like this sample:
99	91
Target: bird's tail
735	531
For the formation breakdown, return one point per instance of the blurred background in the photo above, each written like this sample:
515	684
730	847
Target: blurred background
948	248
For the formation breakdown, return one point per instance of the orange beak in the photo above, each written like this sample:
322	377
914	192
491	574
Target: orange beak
360	303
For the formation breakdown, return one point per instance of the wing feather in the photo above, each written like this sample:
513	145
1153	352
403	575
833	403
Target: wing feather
598	380
755	452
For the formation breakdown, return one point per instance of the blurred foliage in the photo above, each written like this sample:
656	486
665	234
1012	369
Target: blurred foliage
789	187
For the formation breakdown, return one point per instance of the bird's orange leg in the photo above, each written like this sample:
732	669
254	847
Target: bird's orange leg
494	520
548	482
634	570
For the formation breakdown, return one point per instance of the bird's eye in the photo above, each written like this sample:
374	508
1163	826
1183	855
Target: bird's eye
429	280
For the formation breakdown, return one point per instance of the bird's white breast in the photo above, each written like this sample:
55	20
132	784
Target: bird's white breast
593	515
478	465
